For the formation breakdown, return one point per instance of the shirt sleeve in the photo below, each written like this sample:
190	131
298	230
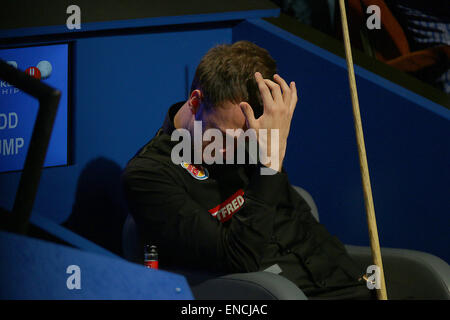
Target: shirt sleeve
187	234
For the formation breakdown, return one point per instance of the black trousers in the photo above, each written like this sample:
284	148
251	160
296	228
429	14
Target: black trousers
350	293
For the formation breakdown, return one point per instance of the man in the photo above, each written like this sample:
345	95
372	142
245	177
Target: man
231	218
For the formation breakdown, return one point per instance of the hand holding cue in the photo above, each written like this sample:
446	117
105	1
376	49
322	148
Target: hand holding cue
368	200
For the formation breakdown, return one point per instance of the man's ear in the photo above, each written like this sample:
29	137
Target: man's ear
195	101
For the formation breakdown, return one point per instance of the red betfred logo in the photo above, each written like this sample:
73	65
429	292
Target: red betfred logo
224	211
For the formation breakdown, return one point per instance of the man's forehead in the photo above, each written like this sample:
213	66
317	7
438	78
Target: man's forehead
227	116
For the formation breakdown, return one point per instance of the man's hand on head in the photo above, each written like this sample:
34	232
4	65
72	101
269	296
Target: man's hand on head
279	102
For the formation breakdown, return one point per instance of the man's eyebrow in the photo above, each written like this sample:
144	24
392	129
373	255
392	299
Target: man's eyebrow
223	131
213	125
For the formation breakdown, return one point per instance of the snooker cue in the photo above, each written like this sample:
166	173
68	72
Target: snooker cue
368	199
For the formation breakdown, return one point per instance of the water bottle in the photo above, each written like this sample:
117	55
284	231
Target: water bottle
150	257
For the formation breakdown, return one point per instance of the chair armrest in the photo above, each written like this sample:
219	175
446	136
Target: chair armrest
309	200
248	286
409	273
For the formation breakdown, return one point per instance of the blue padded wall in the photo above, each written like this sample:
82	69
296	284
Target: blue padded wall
122	88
